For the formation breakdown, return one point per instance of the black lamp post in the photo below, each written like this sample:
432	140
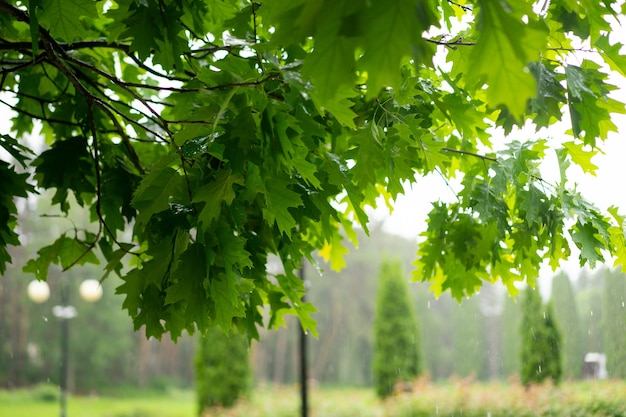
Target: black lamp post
304	393
39	292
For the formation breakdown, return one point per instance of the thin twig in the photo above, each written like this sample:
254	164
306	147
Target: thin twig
43	118
450	44
25	64
91	245
461	152
461	6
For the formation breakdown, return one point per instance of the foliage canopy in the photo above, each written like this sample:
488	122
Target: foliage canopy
219	132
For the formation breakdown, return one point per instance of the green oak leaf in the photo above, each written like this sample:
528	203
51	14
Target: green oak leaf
585	236
215	193
156	191
63	17
189	287
151	312
505	48
65	251
225	294
67	166
13	185
394	31
340	105
280	199
330	66
550	94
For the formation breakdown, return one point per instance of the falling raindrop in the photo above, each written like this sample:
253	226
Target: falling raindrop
428	304
436	409
45	318
622	304
591	312
539	371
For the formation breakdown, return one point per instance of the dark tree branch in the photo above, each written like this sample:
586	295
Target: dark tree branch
91	245
25	64
38	117
476	155
461	6
450	44
120	83
106	102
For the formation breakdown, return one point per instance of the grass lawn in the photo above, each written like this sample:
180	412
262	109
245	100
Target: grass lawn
20	404
453	398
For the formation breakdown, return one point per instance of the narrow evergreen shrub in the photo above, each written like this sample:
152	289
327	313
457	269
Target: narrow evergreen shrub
396	333
553	360
614	323
541	341
222	369
567	315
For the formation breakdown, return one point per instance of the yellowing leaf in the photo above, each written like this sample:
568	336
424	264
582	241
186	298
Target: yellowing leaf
612	55
618	239
581	157
333	252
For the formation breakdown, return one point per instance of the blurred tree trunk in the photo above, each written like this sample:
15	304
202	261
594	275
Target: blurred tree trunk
280	357
143	360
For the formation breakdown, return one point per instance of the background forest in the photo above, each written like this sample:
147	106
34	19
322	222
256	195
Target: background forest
478	338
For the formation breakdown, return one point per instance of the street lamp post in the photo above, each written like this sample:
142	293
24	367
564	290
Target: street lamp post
39	292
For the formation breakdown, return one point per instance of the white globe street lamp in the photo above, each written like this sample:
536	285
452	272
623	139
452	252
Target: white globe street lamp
38	291
90	290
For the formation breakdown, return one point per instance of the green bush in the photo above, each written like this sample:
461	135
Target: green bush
222	369
46	392
396	333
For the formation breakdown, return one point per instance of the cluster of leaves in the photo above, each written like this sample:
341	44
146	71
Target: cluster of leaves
221	132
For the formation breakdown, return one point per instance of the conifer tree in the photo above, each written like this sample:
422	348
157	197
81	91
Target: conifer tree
396	333
566	313
222	369
553	362
511	337
614	323
541	339
469	339
590	299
